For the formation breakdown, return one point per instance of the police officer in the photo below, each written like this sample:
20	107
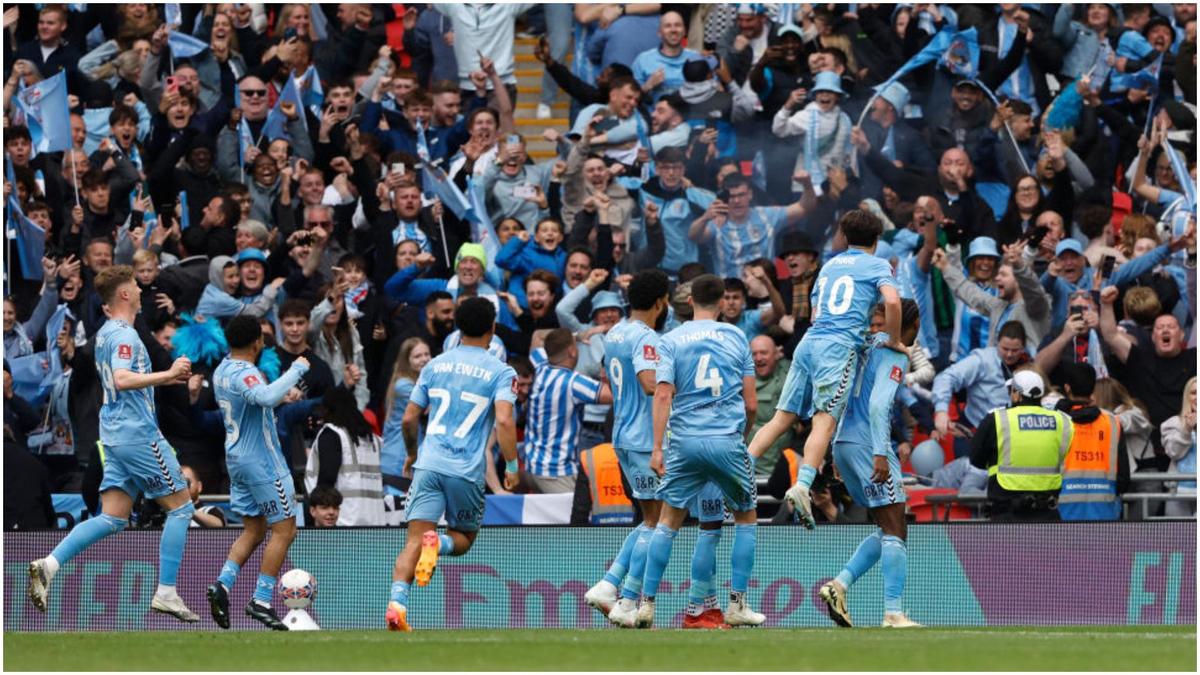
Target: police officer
1022	447
1096	468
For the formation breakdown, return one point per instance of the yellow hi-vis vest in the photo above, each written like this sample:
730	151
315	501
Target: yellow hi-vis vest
1031	443
609	503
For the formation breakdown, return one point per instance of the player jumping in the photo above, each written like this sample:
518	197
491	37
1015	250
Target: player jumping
473	391
705	390
260	483
136	456
823	369
871	471
630	353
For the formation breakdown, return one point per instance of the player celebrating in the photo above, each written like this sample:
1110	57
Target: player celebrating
705	388
136	456
260	483
823	369
473	392
630	353
871	471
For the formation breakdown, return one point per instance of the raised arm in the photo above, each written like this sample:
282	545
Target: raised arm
270	395
1118	342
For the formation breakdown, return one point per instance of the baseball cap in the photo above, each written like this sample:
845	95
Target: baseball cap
249	254
1068	245
1027	383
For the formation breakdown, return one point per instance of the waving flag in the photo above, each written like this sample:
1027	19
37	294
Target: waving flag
276	124
172	14
34	375
1179	168
422	143
184	46
957	51
320	23
482	230
435	181
311	91
47	113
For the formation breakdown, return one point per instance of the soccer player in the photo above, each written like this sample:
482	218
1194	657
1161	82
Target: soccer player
136	456
473	392
823	368
705	392
630	353
260	482
871	471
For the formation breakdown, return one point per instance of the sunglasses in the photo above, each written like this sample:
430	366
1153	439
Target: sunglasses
254	92
320	223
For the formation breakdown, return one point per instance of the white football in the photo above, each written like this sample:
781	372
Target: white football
298	588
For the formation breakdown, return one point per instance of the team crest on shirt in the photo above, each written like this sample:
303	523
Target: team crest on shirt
124	351
649	353
897	374
250	380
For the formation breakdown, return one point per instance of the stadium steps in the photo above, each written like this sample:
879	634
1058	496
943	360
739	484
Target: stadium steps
528	71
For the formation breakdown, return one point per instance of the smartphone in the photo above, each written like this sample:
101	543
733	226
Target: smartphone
172	84
1077	310
710	46
1107	265
514	139
723	195
304	240
1036	235
710	123
398	167
289	34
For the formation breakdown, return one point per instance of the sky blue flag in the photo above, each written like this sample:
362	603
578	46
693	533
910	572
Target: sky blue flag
434	181
1179	167
1146	78
47	113
34	375
482	230
31	245
276	125
643	136
311	92
172	14
184	46
957	51
185	220
422	143
320	23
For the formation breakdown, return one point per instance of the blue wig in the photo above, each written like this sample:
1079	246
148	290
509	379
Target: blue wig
268	363
1065	110
201	341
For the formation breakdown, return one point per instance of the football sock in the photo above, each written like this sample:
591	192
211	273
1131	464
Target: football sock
704	564
742	561
864	558
447	545
82	536
710	602
694	608
263	589
228	576
895	567
170	545
616	572
637	563
400	592
805	475
657	557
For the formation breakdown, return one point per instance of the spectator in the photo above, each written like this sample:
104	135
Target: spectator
1179	441
324	506
204	516
414	354
555	413
659	71
770	371
345	456
50	52
984	376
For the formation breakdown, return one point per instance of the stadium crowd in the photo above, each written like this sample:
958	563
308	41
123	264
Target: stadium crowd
347	173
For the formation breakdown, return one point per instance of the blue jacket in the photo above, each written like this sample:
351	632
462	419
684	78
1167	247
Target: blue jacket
404	286
1060	289
443	142
523	257
982	374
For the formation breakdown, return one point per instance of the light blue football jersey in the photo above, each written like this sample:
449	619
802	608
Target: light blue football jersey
868	417
462	386
705	361
247	405
126	417
844	293
631	347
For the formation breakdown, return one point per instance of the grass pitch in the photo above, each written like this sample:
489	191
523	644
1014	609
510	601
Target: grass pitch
1031	648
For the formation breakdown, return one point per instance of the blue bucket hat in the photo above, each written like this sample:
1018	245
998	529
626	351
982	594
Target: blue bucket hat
251	254
828	81
983	246
606	300
896	94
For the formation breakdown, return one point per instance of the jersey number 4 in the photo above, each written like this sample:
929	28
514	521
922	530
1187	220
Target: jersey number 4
479	405
841	295
708	378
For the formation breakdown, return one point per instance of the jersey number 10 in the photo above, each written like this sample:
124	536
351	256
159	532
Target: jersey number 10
841	296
